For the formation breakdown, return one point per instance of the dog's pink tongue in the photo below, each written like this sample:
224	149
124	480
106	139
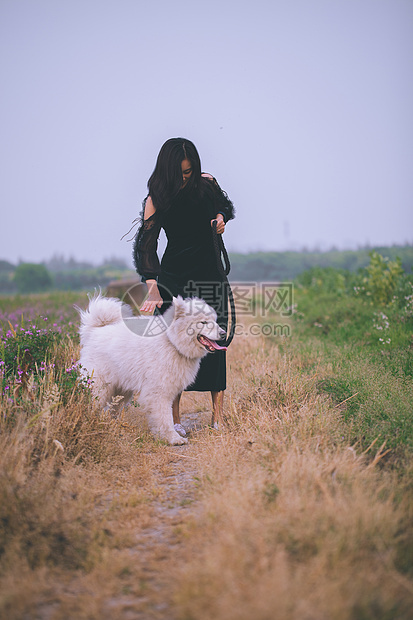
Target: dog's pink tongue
217	347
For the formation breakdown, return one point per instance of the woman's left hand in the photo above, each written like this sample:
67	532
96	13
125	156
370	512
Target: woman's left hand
220	223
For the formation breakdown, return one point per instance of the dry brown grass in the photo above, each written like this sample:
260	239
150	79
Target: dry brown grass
277	516
75	489
295	522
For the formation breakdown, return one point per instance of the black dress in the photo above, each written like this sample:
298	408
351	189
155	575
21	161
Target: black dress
189	265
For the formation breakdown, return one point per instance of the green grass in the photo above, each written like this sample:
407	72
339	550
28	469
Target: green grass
364	351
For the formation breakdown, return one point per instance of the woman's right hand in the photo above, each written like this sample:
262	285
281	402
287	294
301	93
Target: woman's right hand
154	298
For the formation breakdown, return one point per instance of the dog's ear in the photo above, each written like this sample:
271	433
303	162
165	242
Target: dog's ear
179	306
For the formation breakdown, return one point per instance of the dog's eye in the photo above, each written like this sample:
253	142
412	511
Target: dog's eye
203	322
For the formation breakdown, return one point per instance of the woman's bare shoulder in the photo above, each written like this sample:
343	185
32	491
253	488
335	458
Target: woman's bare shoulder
149	208
206	175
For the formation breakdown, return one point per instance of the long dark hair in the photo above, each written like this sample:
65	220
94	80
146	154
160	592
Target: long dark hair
166	180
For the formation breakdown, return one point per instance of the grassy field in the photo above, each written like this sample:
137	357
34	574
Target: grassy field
300	508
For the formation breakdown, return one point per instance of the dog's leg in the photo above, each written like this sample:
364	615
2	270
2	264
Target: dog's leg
160	419
105	392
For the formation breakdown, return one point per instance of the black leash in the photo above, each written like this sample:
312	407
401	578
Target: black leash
221	253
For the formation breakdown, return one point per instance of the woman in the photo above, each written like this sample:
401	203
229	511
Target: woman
185	203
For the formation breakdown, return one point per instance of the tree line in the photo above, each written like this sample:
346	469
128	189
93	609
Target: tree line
59	274
281	266
69	275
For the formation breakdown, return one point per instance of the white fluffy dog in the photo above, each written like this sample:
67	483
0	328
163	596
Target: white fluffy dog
159	367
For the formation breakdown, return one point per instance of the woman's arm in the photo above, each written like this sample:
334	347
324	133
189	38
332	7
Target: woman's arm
149	208
223	203
154	298
145	256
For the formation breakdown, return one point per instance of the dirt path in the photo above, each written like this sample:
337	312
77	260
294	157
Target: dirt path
136	581
161	546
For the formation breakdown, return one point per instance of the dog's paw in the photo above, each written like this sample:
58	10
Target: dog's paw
177	440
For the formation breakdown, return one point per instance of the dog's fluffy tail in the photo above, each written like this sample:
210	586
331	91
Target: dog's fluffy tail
101	311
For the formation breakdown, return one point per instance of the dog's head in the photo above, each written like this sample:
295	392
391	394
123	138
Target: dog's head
195	330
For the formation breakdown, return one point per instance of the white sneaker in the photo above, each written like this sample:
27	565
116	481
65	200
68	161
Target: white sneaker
180	430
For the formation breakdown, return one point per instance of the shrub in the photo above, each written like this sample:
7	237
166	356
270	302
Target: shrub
325	279
32	278
381	280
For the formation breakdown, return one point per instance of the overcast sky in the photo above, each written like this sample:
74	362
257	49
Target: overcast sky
302	109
